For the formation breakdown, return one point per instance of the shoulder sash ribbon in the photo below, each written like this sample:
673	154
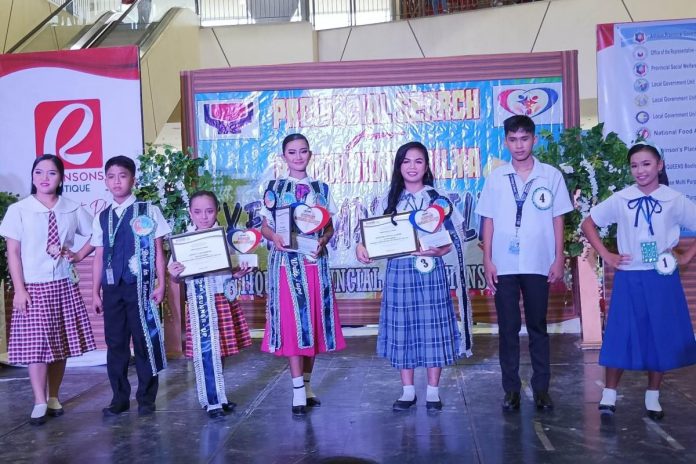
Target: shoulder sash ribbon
465	310
205	338
149	314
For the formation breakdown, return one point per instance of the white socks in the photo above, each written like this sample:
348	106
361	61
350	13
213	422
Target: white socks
39	410
53	403
608	397
409	393
308	388
432	393
652	400
299	395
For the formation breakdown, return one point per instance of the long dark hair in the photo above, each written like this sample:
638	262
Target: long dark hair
59	167
293	137
662	175
397	179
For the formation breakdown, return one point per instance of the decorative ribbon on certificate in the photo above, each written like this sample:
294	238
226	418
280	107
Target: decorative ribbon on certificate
297	280
149	317
205	338
465	310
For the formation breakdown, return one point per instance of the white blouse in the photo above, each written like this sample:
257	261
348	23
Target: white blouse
668	211
27	222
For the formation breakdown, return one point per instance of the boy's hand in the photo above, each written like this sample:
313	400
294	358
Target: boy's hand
157	294
97	305
491	274
556	271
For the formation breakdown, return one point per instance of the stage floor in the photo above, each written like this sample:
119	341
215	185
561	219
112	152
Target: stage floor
355	423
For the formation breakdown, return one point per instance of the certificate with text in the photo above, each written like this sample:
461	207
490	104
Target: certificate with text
388	236
201	252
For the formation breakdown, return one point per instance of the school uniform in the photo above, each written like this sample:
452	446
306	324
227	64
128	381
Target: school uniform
523	249
56	325
648	327
121	300
305	323
417	323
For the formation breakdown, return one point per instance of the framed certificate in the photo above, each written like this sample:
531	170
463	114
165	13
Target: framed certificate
283	224
388	236
201	252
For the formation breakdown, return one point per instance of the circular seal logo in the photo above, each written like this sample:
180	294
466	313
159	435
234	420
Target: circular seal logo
143	225
542	198
642	117
641	85
424	264
666	264
269	199
445	204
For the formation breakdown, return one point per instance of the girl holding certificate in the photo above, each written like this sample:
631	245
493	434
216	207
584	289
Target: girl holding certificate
417	325
215	326
649	327
301	312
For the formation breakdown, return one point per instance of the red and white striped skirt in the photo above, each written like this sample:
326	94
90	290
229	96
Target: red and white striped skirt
54	327
232	325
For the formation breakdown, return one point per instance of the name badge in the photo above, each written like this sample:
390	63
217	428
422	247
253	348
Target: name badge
649	252
109	276
514	248
666	264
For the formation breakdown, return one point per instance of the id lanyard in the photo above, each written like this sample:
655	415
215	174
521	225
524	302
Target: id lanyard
112	234
519	200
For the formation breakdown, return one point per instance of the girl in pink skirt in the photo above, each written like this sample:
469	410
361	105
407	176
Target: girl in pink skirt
301	313
215	328
49	318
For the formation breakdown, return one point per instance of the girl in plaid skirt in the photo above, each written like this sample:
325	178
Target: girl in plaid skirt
49	318
217	328
417	325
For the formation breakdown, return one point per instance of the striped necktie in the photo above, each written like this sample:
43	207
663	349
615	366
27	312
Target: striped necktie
53	242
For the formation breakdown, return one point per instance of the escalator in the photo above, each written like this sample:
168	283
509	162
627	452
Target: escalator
166	32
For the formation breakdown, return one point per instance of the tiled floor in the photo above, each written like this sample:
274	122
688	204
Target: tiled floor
356	423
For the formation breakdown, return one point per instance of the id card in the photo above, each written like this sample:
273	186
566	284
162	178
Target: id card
649	252
109	276
514	248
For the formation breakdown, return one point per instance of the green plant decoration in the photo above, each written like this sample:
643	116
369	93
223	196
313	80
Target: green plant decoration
6	199
594	167
167	177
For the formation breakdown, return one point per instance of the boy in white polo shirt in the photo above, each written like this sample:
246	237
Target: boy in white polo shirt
521	208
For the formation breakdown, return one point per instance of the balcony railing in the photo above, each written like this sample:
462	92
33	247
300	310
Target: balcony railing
328	14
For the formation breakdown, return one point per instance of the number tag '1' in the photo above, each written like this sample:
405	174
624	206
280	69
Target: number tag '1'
666	264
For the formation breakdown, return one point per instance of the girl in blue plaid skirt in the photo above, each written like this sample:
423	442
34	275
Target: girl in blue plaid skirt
417	325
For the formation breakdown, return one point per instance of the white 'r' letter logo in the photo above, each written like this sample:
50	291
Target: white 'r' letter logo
51	137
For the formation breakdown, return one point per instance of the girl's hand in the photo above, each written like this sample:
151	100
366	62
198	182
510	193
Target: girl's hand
614	260
278	242
69	256
21	301
434	252
320	248
157	294
241	271
175	268
361	254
